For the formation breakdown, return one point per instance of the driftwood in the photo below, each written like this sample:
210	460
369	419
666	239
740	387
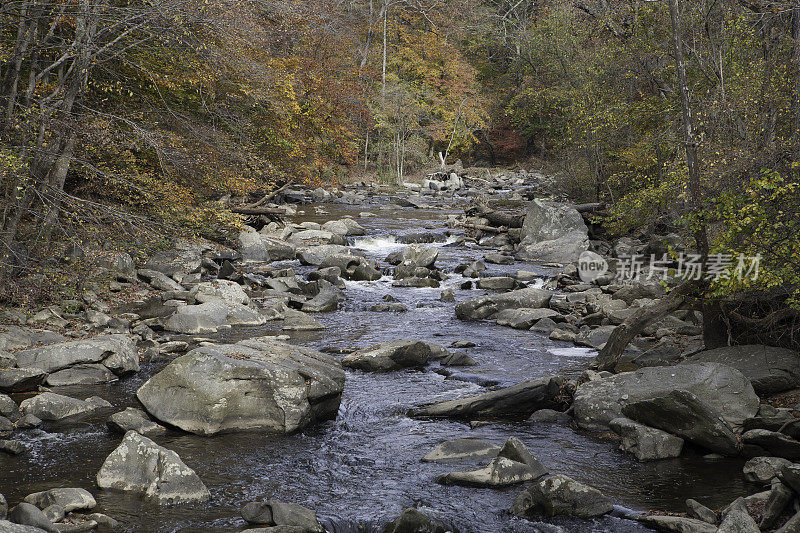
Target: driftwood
634	324
483	227
269	196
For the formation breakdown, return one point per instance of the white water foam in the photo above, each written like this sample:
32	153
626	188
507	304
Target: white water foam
378	244
573	352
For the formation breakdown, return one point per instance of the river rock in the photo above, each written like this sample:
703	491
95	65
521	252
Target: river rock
700	511
258	384
497	283
159	280
51	406
683	414
552	233
763	469
210	316
26	514
221	289
10	527
738	520
457	449
275	513
316	237
523	318
780	496
8	407
140	465
315	255
500	472
774	443
84	374
3	507
676	524
458	359
71	499
389	356
13	338
12	447
413	521
486	306
515	402
20	379
132	419
115	352
769	369
325	301
723	388
561	495
595	337
646	443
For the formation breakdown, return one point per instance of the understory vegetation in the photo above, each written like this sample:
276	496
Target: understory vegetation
124	117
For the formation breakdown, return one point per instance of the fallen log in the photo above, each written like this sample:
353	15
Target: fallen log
258	210
633	325
483	227
270	195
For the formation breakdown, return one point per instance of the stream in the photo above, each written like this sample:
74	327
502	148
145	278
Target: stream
362	469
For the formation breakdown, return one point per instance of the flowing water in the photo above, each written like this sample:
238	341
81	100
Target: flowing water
362	469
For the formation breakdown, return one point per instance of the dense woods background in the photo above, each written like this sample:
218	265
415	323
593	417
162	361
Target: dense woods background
124	116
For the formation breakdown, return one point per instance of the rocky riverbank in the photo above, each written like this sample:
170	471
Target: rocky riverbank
371	329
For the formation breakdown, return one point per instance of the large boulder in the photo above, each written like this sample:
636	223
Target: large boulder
516	402
683	414
315	255
769	369
20	379
115	352
257	248
561	495
254	385
388	356
487	306
552	233
140	465
17	338
221	289
723	388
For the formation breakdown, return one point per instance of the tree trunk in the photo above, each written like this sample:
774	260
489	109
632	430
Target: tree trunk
633	325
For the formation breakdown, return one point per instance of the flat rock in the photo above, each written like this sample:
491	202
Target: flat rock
142	466
724	388
83	374
211	316
51	406
774	443
132	419
255	385
458	449
115	352
676	524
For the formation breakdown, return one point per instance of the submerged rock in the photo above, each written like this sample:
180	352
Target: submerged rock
71	499
254	385
413	521
140	465
461	449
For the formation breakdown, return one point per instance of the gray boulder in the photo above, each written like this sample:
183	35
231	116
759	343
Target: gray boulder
646	443
26	514
389	356
561	495
523	318
515	402
276	513
769	369
254	385
497	283
514	464
552	233
221	289
697	510
71	499
51	406
14	338
132	419
20	379
676	524
140	465
115	352
210	316
315	255
683	414
738	520
723	388
3	507
773	443
413	521
763	469
10	527
594	338
83	374
486	306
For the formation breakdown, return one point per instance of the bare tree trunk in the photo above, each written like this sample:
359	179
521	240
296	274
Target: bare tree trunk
796	59
689	138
